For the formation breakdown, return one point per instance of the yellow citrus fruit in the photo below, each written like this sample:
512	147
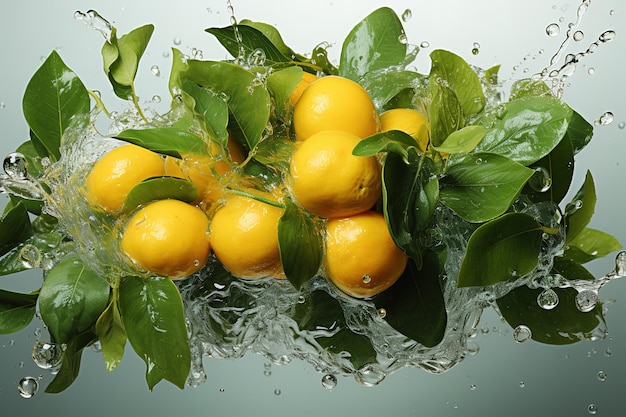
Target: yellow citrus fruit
118	171
244	238
334	103
331	182
168	238
410	121
307	78
361	258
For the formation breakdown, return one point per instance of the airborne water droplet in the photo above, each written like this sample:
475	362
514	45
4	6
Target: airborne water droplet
28	386
156	71
177	41
606	119
586	300
407	15
31	256
402	38
277	391
16	166
620	264
553	29
621	125
522	333
369	375
540	180
607	36
46	355
592	409
602	376
329	381
578	36
548	299
424	44
382	313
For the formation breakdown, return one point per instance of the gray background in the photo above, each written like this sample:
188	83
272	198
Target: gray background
558	380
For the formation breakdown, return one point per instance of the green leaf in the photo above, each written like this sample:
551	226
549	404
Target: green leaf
271	34
70	362
16	311
121	58
383	86
562	325
54	97
160	188
15	228
500	250
457	74
482	186
71	299
462	141
248	100
322	316
529	129
373	44
446	114
570	269
392	141
554	172
410	195
251	41
414	305
30	253
579	211
211	108
301	244
579	132
154	320
276	152
527	87
281	84
590	244
166	140
111	335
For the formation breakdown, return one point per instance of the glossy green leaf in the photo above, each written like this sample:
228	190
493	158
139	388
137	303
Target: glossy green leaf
273	35
121	58
160	188
15	228
457	74
562	325
248	100
30	254
553	174
527	87
281	84
382	86
16	311
70	362
276	152
590	244
482	186
462	141
414	305
579	132
410	195
154	320
166	140
571	269
111	335
301	244
579	211
212	109
322	316
446	114
71	299
392	141
529	129
251	41
373	44
500	250
491	75
54	97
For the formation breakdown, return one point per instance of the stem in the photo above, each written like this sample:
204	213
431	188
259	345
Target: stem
255	197
99	103
136	103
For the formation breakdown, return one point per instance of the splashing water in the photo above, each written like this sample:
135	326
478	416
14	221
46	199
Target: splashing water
93	20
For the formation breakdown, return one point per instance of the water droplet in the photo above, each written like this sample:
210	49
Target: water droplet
156	71
620	264
277	391
475	48
94	21
608	352
578	36
553	29
16	166
592	409
366	279
540	180
31	257
329	381
522	333
28	386
473	387
267	373
177	41
424	44
611	12
407	15
222	390
472	348
402	38
382	313
591	70
369	375
166	54
3	105
46	355
522	384
156	98
621	125
301	299
607	36
606	119
548	299
602	376
586	300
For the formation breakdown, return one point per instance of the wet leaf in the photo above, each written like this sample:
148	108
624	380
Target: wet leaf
251	39
53	99
590	244
16	311
393	141
15	228
579	132
500	250
70	362
446	114
482	186
111	335
463	140
166	140
579	211
281	84
160	188
154	320
383	86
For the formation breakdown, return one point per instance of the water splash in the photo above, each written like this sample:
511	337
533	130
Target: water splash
93	20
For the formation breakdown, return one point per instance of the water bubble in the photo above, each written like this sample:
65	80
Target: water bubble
301	299
46	355
602	376
592	409
424	44
277	391
166	54
522	333
178	41
586	300
605	119
31	257
472	348
578	36
403	39
475	48
548	299
156	98
369	375
16	166
607	36
407	15
329	381
541	180
267	373
621	125
473	387
611	12
591	70
366	279
522	384
382	313
553	29
156	71
28	386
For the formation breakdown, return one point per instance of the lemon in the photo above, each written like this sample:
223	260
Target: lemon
410	121
307	78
